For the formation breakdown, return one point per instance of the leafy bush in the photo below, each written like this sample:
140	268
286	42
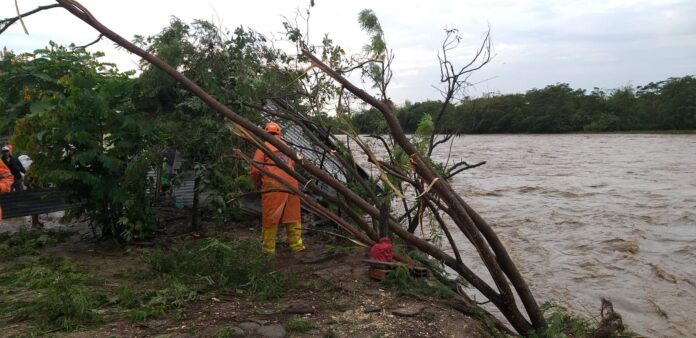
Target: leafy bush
75	117
562	324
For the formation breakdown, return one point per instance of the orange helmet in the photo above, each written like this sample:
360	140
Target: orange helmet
273	128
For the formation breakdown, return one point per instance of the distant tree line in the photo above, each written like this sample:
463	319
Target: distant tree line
664	105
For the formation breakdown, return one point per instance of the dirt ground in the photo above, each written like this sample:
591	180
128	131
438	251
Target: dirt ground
347	303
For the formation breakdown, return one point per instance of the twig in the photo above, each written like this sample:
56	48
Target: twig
6	23
91	43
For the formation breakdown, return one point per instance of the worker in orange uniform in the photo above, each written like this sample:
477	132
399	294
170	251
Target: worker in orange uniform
277	206
6	181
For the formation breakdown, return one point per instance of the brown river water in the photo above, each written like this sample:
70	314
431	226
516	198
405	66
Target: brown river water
591	216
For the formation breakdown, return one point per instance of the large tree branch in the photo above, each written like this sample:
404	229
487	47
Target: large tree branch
504	301
494	263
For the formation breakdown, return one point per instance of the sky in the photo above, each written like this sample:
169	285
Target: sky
586	43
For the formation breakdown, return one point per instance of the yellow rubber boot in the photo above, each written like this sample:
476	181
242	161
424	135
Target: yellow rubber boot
268	236
295	236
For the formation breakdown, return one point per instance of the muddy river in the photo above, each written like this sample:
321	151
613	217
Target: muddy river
593	216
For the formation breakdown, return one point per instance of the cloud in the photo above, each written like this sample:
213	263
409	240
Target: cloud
587	43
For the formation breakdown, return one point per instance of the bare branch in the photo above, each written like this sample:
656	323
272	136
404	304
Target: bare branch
6	23
91	43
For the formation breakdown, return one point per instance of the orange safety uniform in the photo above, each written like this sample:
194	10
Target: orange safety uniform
6	180
277	206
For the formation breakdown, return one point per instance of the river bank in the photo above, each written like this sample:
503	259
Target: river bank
589	216
56	282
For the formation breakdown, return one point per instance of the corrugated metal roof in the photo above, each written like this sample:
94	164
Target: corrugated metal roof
33	202
294	136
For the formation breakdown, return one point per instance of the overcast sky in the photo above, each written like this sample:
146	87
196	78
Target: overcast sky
586	43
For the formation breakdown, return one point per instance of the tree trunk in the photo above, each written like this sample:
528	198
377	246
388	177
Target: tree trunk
194	207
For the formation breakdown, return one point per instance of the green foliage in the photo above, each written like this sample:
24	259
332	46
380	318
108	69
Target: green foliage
47	271
401	279
664	105
298	325
426	127
378	71
127	297
562	324
64	300
370	24
224	333
63	305
236	67
74	116
238	265
26	242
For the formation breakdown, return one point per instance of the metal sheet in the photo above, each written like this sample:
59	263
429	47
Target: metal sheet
32	202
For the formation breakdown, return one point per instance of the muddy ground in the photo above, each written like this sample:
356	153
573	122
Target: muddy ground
335	296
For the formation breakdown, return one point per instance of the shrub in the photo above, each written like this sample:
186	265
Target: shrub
299	325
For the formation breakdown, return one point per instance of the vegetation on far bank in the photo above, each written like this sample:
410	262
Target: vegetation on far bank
664	106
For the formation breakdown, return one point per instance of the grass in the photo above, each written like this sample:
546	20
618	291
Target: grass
220	264
62	299
64	296
405	284
298	325
27	242
224	333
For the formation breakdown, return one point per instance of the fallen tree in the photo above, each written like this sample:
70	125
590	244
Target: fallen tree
431	188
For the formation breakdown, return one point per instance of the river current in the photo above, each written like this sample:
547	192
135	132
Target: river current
591	216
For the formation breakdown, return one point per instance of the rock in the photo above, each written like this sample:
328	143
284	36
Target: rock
236	332
300	309
272	331
185	335
249	327
266	311
407	311
372	309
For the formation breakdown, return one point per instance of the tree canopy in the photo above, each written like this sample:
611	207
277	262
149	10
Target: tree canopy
663	105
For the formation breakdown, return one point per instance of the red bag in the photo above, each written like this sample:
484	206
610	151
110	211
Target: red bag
382	250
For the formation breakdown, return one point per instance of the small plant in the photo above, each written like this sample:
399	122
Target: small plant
26	242
144	314
563	324
299	325
330	334
63	301
224	264
401	279
63	305
270	286
224	333
127	297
